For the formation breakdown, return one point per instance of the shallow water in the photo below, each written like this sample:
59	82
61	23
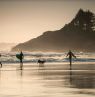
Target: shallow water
49	80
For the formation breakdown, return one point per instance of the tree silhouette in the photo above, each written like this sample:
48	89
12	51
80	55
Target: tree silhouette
85	20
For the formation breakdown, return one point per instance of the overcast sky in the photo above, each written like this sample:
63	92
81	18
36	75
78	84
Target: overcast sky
22	20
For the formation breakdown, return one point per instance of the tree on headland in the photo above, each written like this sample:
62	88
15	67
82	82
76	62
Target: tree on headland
85	20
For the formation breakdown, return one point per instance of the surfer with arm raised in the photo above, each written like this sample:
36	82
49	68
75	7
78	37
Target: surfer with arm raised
70	55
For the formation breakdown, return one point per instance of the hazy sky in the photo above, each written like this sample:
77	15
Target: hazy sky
22	20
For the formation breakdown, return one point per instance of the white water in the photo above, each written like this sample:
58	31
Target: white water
9	57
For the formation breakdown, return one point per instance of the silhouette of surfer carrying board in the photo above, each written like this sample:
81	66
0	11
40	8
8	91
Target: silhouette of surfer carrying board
70	54
20	57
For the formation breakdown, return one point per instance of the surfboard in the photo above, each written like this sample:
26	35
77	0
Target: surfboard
18	56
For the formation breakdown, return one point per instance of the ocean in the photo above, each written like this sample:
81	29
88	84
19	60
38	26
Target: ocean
10	57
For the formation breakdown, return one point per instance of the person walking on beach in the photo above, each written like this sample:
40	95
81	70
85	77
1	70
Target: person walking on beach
0	62
70	54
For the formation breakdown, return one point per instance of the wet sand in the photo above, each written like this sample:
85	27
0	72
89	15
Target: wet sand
49	80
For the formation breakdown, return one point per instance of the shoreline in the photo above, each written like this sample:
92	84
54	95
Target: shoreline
52	66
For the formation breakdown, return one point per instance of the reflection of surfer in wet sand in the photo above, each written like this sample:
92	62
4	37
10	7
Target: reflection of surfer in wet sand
0	62
20	57
70	54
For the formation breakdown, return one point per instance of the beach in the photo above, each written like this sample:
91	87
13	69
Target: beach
48	80
47	48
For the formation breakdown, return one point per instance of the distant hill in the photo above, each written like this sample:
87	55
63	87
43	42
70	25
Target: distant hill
77	35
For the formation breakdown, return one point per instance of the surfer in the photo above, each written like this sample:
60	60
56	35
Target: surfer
0	62
70	54
20	57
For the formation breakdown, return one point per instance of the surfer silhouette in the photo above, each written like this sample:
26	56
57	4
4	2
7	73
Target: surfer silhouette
20	57
70	55
0	62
